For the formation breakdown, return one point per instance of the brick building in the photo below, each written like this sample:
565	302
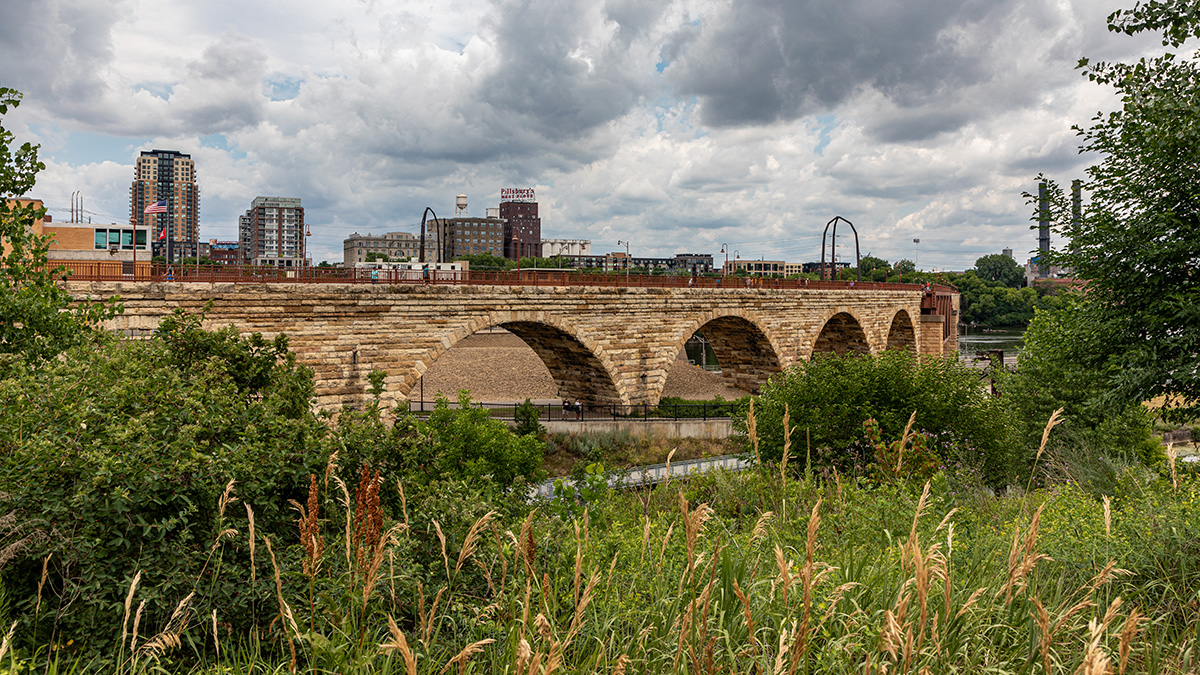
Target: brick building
522	225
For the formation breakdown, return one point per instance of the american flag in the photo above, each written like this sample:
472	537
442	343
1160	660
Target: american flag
157	207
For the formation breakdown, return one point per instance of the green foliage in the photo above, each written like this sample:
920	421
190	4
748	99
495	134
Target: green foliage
114	459
831	397
36	320
527	415
1063	365
453	443
675	406
487	261
1139	236
992	303
572	496
910	458
1001	269
870	263
376	378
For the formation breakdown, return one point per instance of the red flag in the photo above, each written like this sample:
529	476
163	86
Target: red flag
163	235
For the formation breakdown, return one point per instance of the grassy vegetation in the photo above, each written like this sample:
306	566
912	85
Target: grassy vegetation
754	572
565	452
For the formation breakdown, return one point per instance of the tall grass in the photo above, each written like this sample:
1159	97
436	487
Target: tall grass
699	577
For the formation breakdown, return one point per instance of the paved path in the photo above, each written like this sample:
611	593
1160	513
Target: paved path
654	474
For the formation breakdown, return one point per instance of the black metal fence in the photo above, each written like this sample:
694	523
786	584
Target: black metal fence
585	412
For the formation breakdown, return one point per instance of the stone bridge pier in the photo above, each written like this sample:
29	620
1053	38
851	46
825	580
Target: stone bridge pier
601	345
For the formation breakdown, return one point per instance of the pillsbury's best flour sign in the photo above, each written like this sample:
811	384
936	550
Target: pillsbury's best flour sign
517	195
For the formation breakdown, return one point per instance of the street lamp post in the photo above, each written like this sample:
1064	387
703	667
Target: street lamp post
916	254
725	250
619	242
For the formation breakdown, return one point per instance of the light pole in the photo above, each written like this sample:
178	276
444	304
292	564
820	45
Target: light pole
725	250
619	242
517	253
916	254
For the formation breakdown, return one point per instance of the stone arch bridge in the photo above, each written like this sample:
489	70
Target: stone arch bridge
601	344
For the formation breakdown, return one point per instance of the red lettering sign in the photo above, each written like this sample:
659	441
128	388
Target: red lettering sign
516	194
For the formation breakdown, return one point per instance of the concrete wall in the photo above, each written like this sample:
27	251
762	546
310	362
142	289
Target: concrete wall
671	428
602	345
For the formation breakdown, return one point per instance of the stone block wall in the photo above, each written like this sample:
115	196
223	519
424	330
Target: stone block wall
602	345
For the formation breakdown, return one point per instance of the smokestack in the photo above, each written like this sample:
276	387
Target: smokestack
1076	202
1043	229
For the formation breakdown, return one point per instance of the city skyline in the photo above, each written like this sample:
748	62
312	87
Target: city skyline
679	126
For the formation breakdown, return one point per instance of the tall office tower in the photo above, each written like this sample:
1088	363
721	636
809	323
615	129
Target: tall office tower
272	233
165	182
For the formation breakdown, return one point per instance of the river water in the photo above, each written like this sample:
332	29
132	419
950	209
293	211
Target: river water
973	343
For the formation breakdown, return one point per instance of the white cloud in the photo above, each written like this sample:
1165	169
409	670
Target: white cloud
678	124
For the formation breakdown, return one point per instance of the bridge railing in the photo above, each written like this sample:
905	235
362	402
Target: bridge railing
159	272
588	412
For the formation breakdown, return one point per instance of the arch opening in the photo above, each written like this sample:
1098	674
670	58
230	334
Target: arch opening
746	356
524	359
902	335
841	335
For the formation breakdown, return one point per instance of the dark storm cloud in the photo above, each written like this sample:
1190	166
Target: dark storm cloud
52	50
764	61
554	74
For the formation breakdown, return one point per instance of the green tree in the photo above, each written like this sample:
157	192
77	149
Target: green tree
870	263
1138	240
1000	269
487	261
905	266
36	318
829	398
1056	372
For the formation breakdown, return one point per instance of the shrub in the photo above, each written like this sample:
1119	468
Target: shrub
1063	365
527	416
114	460
829	397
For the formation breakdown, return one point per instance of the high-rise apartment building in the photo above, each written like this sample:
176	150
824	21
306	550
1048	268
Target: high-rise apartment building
167	177
272	233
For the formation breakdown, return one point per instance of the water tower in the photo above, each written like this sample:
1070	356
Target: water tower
460	206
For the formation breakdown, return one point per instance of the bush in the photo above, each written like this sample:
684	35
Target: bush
113	461
1063	365
527	416
830	397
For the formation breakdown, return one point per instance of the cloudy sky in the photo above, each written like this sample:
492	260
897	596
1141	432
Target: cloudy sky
676	124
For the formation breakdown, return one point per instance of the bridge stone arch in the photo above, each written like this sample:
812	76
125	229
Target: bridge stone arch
842	333
581	369
747	351
902	334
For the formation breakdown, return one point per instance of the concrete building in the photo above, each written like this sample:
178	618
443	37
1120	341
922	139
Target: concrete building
681	263
395	245
564	247
694	263
272	232
756	268
468	236
167	176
